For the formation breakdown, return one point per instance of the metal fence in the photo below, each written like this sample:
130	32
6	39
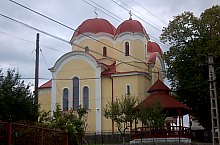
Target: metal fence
20	134
106	138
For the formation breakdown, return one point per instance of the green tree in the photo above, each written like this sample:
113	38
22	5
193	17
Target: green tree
191	39
122	113
16	99
152	116
72	122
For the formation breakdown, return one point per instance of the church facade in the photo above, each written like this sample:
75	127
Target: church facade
105	63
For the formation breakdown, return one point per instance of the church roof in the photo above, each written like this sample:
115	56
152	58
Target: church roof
153	47
130	25
110	70
96	25
48	84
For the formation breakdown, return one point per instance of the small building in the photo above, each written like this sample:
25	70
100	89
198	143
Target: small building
173	129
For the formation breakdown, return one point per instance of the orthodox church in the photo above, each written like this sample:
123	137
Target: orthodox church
105	63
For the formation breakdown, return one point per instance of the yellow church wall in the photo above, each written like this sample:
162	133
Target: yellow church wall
137	50
84	70
44	99
132	66
106	97
134	82
138	84
97	47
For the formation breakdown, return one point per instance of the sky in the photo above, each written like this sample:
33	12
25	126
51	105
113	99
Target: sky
17	42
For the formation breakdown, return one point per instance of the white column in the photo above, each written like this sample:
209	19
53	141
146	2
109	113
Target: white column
98	101
53	95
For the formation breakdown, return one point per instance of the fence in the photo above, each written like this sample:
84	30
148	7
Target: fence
106	138
20	134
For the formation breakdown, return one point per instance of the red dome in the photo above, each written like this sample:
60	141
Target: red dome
130	26
95	25
153	47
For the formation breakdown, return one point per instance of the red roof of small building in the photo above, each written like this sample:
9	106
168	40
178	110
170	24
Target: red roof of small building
96	25
48	84
158	86
160	94
153	47
130	26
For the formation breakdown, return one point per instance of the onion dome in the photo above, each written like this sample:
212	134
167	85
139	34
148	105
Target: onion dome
130	26
96	25
153	47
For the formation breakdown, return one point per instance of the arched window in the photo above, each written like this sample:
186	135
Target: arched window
128	90
145	50
75	93
65	99
86	97
86	49
104	51
127	49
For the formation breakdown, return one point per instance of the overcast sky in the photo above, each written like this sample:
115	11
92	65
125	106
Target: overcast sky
17	42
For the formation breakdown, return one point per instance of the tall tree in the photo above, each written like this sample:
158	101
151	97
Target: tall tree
16	99
192	39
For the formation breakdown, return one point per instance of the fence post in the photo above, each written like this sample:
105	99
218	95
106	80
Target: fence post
102	138
95	138
42	136
9	133
66	139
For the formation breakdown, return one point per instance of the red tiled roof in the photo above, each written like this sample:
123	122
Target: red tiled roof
48	84
111	70
153	47
158	86
95	25
130	26
160	94
165	101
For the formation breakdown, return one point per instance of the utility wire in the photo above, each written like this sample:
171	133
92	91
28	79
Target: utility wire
133	10
31	27
73	44
115	17
150	12
143	21
102	10
29	41
72	29
135	15
66	27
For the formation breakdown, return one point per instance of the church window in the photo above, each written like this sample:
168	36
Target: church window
127	49
128	90
145	50
86	97
75	93
104	51
87	49
65	99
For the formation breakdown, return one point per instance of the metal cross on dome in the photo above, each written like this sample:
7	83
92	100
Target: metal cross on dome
130	15
96	13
